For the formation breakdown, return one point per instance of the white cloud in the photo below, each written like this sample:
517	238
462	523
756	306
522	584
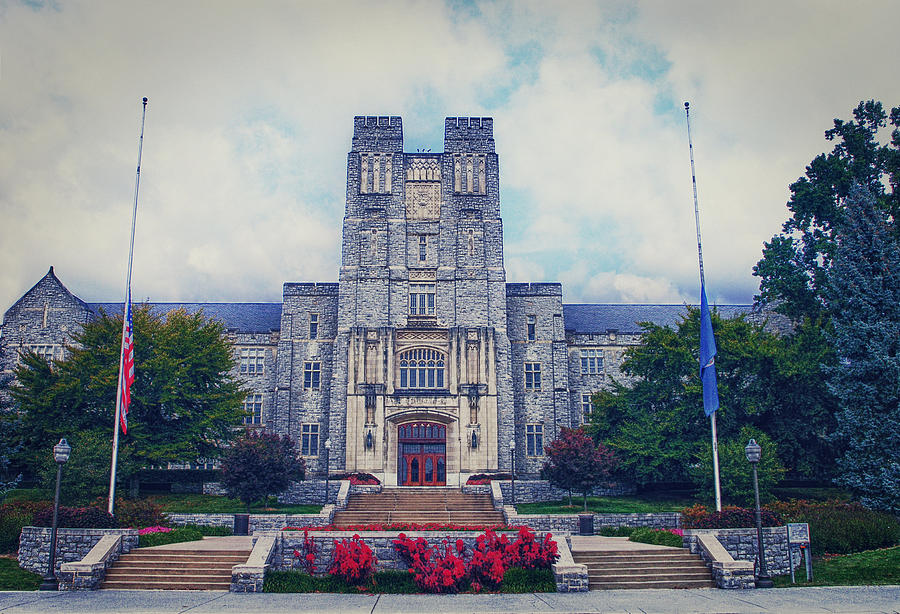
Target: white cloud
250	120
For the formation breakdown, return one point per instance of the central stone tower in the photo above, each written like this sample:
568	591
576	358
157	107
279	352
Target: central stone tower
421	387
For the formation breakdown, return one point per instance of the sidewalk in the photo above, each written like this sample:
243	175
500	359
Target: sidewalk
856	599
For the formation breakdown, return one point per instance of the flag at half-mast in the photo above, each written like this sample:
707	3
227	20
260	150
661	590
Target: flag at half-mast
707	357
127	364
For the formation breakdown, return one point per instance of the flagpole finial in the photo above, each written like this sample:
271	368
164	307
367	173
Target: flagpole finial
687	105
145	100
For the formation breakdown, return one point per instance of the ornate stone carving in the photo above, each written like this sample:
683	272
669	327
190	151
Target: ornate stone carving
423	200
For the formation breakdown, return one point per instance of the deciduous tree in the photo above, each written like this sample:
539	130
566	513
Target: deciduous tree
260	464
575	462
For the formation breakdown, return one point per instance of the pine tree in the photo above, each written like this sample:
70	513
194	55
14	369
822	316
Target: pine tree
863	298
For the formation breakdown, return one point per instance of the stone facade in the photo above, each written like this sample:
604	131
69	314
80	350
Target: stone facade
421	327
741	544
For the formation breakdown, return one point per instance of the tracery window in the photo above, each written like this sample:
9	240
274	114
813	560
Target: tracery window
422	368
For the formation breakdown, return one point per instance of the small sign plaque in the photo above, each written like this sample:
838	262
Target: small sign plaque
798	533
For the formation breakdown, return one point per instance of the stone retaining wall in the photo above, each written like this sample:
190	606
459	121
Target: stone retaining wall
741	545
570	523
72	545
258	522
569	576
531	491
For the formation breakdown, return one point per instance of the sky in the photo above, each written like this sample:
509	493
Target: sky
250	117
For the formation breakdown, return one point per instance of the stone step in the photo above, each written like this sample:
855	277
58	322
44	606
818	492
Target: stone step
674	584
661	574
643	565
167	585
118	571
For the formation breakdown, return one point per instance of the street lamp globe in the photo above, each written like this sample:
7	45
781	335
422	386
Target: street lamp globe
61	451
512	444
753	451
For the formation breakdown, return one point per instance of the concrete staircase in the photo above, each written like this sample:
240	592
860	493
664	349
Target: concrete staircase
173	569
659	568
419	505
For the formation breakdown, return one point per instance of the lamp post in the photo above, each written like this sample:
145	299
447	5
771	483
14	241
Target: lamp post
61	453
512	467
754	452
327	454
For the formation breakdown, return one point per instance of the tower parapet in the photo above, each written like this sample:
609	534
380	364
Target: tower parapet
382	133
469	135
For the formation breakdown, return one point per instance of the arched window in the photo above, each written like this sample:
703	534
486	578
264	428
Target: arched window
421	368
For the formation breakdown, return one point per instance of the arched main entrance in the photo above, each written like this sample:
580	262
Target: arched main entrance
422	457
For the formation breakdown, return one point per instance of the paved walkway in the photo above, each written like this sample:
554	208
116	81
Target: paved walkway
857	599
232	542
596	542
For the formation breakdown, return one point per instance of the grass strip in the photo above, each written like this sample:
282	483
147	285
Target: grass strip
14	578
213	504
861	569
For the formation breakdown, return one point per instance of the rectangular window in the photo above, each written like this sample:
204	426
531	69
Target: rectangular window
311	373
534	439
421	299
253	409
532	376
253	361
309	440
530	323
423	248
586	405
591	362
45	351
313	326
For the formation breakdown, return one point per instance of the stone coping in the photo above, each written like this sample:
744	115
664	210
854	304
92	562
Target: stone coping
258	560
97	557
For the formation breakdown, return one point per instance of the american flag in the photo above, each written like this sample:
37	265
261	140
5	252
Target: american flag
127	365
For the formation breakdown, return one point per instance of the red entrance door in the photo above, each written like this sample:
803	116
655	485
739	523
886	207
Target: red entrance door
422	458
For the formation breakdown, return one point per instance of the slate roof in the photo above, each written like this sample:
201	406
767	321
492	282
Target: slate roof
594	318
240	317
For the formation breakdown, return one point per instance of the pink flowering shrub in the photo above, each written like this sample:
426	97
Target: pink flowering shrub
156	529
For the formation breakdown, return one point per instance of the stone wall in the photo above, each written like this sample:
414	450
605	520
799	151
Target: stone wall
72	545
741	544
569	522
258	522
531	491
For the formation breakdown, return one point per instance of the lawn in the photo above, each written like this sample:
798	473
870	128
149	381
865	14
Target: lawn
212	504
860	569
608	505
14	578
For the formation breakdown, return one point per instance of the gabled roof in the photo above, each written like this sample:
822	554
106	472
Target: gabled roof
599	318
51	278
240	317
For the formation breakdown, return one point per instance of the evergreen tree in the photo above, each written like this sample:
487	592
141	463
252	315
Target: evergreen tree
863	298
795	262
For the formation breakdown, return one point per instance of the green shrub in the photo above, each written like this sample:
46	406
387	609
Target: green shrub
76	518
299	582
13	516
735	472
394	582
517	580
182	534
838	527
616	531
139	513
206	531
660	537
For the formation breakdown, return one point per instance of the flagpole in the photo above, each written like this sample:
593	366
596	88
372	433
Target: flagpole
712	417
116	426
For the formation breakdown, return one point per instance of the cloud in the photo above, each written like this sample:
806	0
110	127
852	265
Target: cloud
249	124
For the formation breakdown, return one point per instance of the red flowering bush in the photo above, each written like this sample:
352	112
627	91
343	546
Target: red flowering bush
408	526
479	479
77	518
354	562
307	558
358	478
528	553
445	570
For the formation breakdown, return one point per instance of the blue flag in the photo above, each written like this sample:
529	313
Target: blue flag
707	358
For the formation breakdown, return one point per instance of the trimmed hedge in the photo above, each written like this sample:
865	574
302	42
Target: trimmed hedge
77	518
517	580
660	537
183	534
839	527
13	516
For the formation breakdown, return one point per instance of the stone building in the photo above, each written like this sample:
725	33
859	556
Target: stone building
421	364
